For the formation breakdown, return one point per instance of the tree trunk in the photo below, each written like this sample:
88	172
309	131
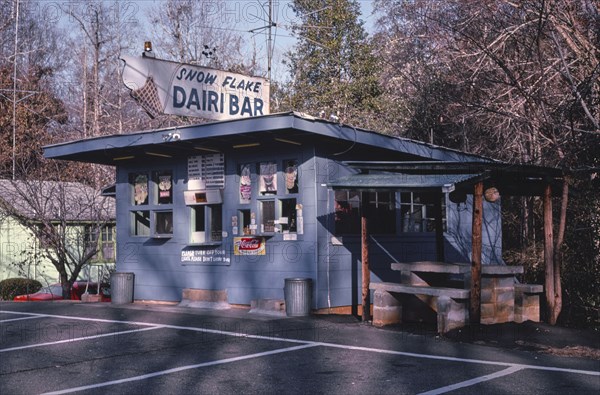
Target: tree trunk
477	223
366	271
549	256
558	255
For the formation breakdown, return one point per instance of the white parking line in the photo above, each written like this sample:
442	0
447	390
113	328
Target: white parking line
180	369
20	319
511	367
477	380
463	360
76	339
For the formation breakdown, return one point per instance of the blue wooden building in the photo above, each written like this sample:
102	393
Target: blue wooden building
239	206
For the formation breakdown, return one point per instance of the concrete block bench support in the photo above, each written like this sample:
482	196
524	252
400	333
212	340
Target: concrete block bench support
527	302
451	304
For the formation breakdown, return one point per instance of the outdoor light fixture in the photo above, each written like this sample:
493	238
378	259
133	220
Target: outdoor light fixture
148	49
246	145
287	141
206	149
124	157
158	154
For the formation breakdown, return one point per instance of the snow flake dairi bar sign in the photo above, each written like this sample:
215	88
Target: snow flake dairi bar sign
164	87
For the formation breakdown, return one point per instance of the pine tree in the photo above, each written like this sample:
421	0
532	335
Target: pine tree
332	68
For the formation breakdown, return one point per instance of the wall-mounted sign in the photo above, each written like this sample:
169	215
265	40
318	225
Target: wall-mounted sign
208	257
164	87
268	178
206	171
249	246
245	184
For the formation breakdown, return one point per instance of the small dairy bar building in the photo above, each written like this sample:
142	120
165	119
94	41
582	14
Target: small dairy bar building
237	207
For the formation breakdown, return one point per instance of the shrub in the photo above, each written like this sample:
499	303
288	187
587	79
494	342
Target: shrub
12	287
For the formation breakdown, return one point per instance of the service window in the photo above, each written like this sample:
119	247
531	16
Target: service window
215	213
207	223
155	194
288	218
267	213
140	223
244	222
163	223
290	174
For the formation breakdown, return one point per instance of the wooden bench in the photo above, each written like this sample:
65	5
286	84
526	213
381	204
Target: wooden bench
451	304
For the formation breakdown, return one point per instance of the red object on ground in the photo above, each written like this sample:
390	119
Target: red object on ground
54	292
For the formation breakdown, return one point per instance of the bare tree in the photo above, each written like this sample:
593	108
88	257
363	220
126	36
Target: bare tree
515	80
65	217
199	33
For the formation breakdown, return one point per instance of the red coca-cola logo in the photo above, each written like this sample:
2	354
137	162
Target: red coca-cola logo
249	244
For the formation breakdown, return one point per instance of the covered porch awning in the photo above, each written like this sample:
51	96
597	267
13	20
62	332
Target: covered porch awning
448	177
406	182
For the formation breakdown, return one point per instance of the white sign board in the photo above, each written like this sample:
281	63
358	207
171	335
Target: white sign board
164	87
206	171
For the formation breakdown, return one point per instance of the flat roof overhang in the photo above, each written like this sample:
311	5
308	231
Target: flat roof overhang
510	179
269	131
406	182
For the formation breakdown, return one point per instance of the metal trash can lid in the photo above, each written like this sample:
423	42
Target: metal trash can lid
301	279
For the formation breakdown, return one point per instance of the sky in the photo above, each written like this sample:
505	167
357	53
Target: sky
253	15
239	15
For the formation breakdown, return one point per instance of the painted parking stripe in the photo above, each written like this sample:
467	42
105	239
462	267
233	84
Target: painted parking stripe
76	339
462	360
181	369
477	380
20	319
332	345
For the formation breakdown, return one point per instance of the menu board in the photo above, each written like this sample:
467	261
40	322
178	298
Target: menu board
206	171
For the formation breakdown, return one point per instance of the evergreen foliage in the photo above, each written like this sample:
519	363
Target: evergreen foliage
333	69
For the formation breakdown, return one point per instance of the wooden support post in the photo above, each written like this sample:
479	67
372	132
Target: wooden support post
548	254
366	271
439	229
475	307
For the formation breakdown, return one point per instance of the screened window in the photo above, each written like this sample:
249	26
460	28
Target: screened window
140	223
151	200
381	212
418	211
163	223
245	221
207	223
288	216
267	212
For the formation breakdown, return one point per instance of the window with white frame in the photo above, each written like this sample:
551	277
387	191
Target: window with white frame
152	203
381	212
418	211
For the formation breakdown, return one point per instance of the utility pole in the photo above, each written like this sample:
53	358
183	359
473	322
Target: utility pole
270	26
14	134
270	41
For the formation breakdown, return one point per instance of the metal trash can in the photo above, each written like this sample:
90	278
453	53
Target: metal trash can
298	296
121	288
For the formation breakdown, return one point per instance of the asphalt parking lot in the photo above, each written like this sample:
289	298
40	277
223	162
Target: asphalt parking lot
56	348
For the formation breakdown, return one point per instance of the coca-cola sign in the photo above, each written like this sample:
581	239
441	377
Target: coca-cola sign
249	246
